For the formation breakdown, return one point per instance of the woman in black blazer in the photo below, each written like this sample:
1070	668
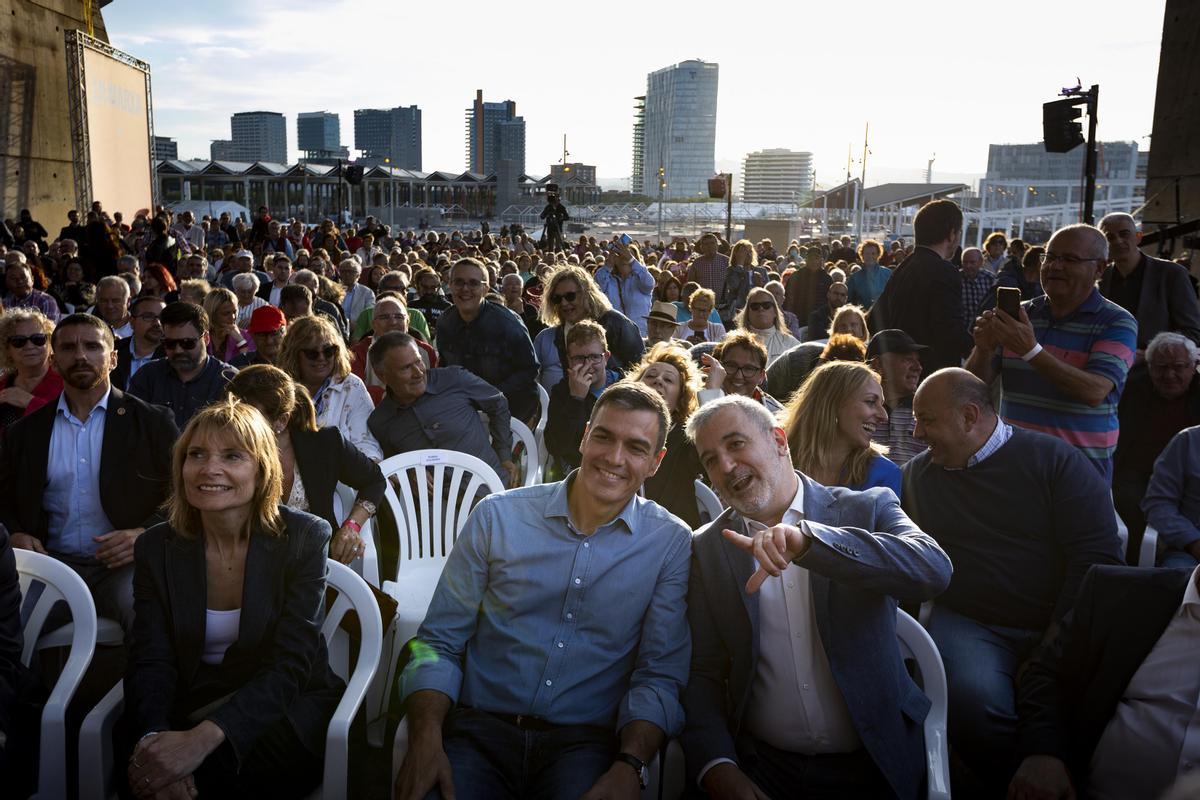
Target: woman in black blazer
314	460
229	690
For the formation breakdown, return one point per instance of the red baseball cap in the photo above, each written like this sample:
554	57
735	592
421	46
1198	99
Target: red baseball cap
266	319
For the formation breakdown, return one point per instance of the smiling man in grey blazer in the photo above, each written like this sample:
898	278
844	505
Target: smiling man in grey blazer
797	687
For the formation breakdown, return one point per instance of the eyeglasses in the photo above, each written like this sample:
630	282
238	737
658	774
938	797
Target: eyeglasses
38	339
314	353
183	344
745	370
1068	260
761	306
146	317
587	358
555	299
463	283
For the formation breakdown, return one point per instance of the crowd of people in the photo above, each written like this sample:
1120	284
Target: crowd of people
181	397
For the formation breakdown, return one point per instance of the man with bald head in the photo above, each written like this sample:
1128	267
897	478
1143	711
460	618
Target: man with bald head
977	283
1156	292
1023	517
1062	365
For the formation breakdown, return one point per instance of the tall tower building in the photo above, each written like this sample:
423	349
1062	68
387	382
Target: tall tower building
494	132
389	135
318	134
259	136
679	129
777	176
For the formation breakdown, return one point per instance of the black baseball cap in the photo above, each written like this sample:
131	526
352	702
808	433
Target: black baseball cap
893	340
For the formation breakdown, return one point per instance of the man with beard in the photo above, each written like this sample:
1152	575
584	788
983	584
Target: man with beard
85	476
187	378
138	350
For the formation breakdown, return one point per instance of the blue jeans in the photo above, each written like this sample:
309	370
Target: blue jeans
493	759
981	670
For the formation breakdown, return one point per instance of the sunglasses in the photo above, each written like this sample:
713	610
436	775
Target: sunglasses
315	353
762	306
182	344
555	299
38	339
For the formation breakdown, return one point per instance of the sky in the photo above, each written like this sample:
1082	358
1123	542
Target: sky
932	78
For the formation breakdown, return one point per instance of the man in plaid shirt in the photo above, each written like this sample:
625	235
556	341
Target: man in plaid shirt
976	284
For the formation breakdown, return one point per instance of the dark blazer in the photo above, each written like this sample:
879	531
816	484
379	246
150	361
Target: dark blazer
857	578
135	465
323	458
923	298
278	668
1168	301
17	682
119	377
1071	688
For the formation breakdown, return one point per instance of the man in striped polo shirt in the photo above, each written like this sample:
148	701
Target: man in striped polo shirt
1062	365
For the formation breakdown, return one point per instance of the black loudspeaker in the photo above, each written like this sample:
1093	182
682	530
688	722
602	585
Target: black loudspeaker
716	186
1061	127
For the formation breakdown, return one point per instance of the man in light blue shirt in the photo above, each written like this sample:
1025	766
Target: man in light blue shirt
558	631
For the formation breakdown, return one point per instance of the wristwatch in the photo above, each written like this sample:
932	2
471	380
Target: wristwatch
367	506
639	767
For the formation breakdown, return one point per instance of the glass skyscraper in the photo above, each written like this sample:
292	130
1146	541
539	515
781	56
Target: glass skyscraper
678	129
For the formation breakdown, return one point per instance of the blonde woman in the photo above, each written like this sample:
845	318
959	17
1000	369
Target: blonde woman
829	425
316	357
762	317
850	319
226	340
28	381
700	328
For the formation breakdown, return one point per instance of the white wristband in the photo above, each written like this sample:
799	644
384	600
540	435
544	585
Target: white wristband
1032	354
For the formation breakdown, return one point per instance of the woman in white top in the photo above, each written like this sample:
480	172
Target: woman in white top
761	317
700	328
316	356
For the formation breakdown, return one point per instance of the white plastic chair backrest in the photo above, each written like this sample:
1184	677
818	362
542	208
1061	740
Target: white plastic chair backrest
353	594
544	403
426	524
916	644
1148	554
59	582
1122	531
708	503
530	463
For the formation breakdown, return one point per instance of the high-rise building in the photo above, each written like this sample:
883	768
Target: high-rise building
389	136
777	176
576	183
165	148
679	129
494	132
1022	175
259	136
221	150
318	134
639	141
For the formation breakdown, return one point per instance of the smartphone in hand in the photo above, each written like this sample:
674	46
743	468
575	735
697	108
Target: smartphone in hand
1008	300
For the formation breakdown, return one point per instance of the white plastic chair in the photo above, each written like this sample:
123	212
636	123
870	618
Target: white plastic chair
427	529
96	768
366	565
708	503
59	582
916	644
1148	552
651	792
539	432
530	463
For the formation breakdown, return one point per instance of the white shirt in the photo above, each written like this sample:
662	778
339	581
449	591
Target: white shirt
346	405
1153	739
795	704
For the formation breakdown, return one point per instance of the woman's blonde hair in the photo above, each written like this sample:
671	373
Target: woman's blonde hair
214	299
13	317
744	244
703	294
849	309
250	432
689	377
758	294
594	301
811	420
301	334
273	392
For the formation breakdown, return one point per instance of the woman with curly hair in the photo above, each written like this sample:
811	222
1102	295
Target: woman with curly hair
28	382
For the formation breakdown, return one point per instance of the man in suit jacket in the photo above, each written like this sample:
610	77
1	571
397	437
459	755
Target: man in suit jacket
923	298
1158	293
854	725
145	343
1106	710
84	477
